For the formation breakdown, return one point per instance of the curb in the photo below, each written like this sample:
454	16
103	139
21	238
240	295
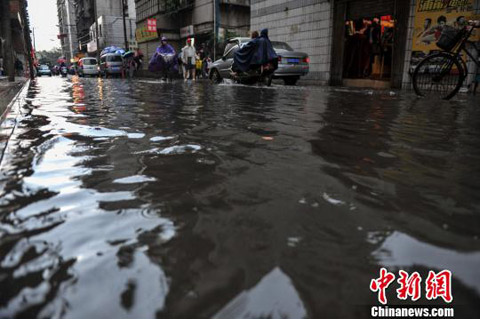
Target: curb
18	87
8	119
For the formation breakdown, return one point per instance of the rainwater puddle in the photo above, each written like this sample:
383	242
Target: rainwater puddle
140	199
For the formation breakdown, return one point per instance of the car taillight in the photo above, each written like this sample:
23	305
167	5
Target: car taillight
306	60
279	59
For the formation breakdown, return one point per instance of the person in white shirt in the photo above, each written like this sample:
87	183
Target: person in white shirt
188	59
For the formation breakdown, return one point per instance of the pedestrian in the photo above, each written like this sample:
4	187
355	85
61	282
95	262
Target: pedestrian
206	65
18	67
138	59
168	55
188	59
198	66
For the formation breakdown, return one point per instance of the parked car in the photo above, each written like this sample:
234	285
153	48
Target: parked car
110	64
44	70
291	64
88	66
221	68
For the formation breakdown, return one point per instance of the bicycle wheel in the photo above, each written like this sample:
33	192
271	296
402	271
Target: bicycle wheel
440	75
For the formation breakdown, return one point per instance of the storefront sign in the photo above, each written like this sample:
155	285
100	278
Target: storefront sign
152	25
431	16
186	32
143	35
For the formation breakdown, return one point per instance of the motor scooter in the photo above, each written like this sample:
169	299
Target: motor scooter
164	63
262	74
64	71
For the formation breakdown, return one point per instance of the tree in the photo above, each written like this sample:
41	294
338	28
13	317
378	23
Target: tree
49	57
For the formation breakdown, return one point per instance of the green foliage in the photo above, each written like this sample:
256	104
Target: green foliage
49	57
231	34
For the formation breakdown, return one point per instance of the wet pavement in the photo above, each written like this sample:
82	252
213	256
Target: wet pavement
139	199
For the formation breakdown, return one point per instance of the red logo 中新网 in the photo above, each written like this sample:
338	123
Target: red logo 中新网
437	285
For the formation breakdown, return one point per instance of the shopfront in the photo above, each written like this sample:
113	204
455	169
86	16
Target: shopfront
370	36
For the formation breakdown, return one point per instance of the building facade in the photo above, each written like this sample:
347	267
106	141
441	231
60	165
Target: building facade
200	20
18	28
324	29
67	28
111	32
108	13
305	25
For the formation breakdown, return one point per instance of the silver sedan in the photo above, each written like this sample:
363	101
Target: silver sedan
291	64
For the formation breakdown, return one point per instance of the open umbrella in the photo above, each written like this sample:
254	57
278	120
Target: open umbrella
128	54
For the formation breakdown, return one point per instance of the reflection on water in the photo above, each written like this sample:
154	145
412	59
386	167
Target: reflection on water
127	199
401	250
273	297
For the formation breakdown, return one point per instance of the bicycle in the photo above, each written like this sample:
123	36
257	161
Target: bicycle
442	74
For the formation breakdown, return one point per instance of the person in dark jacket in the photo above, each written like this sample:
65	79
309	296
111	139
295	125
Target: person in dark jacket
265	52
256	53
18	67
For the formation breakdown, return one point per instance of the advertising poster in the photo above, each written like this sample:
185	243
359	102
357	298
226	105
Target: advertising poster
143	34
432	16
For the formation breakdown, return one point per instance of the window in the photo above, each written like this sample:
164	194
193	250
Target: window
89	62
229	46
114	58
232	51
281	46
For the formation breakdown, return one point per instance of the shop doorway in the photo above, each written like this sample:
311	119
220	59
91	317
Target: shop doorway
370	36
367	60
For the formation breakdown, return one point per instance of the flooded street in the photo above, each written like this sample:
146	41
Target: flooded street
139	199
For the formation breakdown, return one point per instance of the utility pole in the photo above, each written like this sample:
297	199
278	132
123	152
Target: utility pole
69	27
96	29
34	44
28	41
124	25
8	47
214	29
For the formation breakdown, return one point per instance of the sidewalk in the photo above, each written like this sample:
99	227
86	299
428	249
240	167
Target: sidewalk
8	90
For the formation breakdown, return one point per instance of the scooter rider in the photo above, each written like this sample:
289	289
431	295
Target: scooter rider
257	53
165	49
63	69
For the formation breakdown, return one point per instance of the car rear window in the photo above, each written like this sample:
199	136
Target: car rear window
89	62
114	58
43	67
229	46
281	46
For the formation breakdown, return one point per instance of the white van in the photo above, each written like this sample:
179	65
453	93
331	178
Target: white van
88	66
111	64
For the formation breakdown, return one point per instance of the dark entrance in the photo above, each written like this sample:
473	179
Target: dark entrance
346	12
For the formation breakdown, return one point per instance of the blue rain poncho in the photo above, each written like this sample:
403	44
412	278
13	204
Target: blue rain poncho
164	59
255	53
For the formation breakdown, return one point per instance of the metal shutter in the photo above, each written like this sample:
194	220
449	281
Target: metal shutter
369	8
